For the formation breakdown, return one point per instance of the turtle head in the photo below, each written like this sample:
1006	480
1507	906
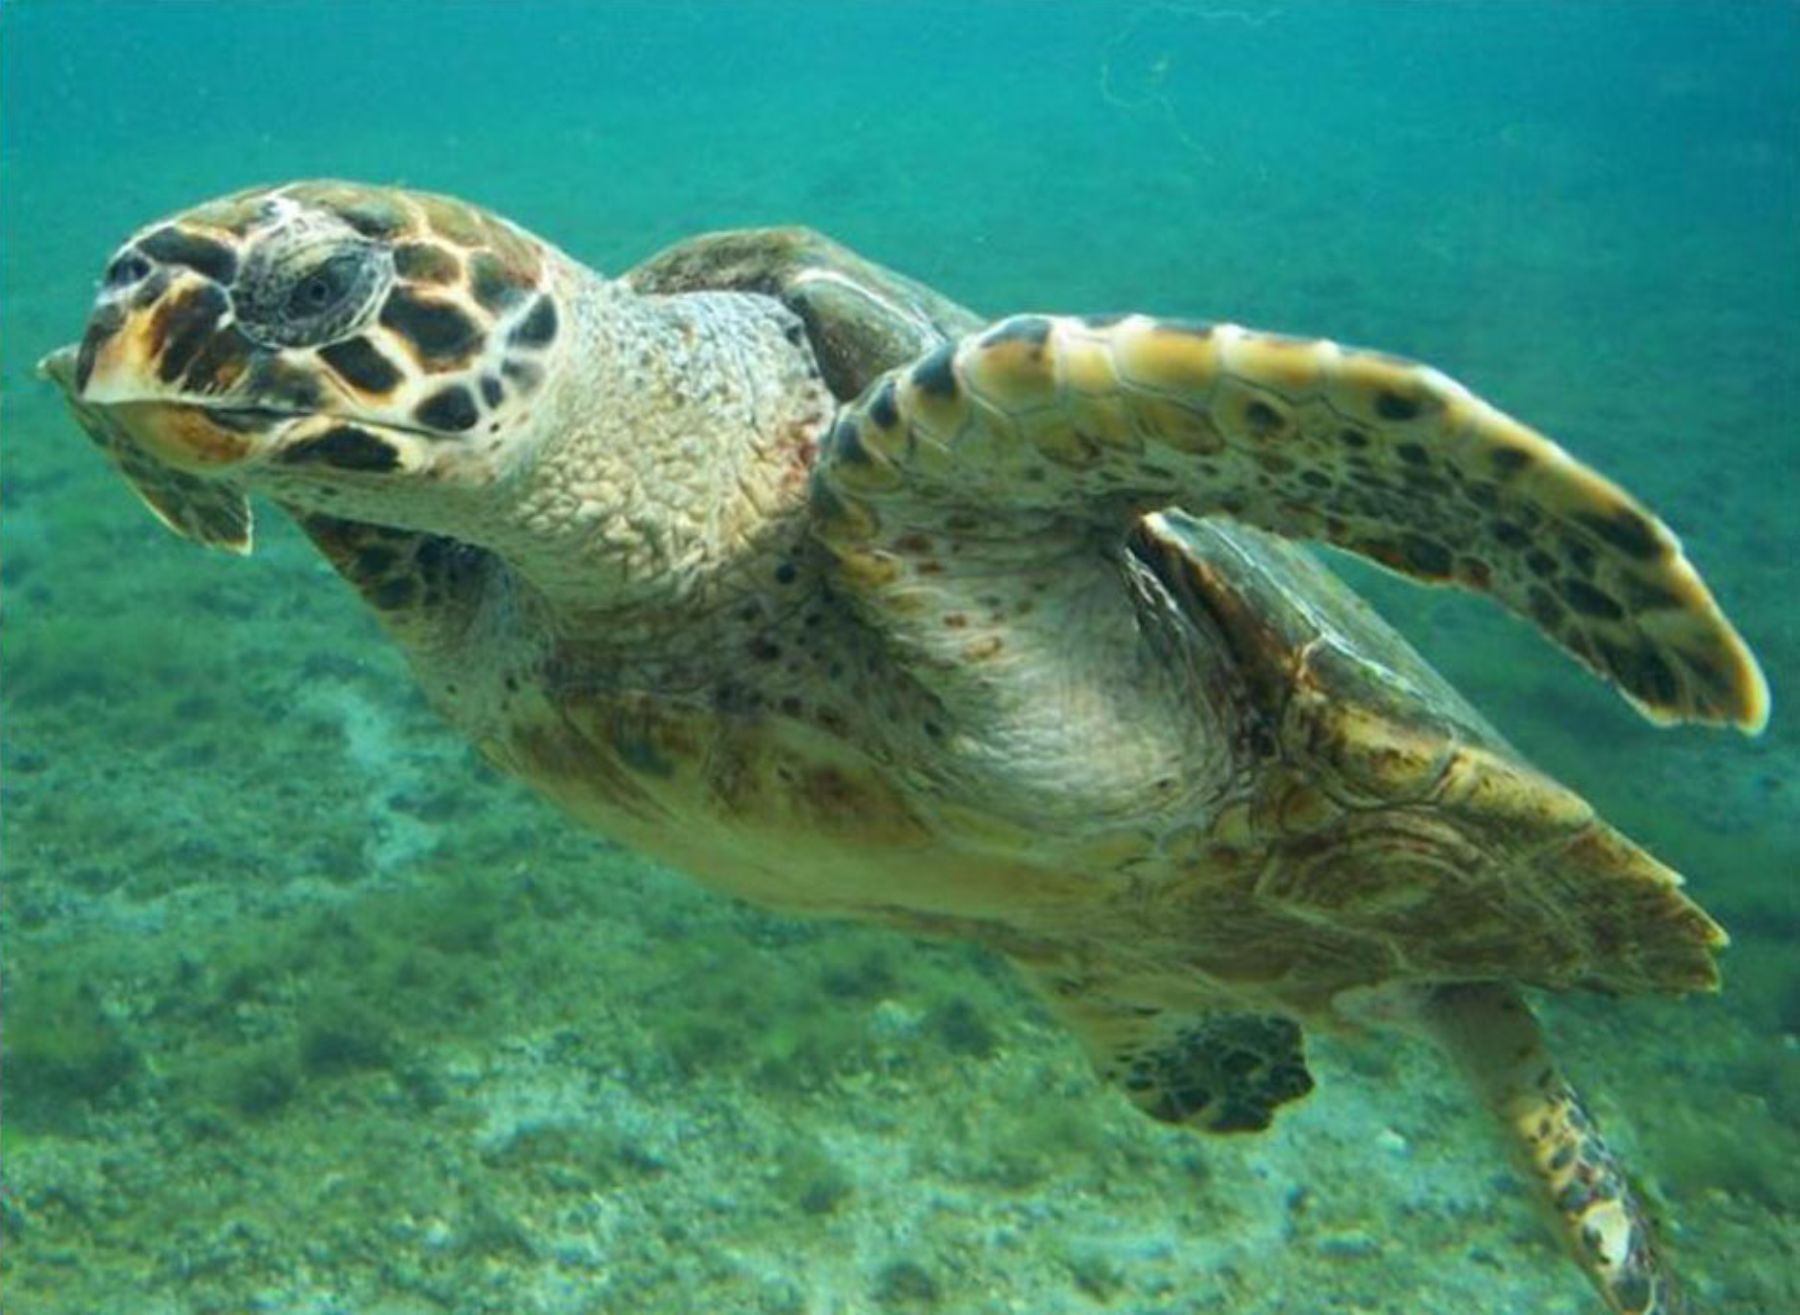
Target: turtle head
342	348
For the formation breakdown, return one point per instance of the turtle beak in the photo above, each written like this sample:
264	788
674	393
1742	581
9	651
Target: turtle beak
161	357
209	511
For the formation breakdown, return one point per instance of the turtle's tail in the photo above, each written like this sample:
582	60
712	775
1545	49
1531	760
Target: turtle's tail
1490	1031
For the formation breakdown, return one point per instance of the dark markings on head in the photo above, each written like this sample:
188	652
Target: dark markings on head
1541	563
219	363
537	329
282	385
1413	454
882	409
425	263
1625	530
523	373
491	391
371	212
1353	438
181	327
359	363
451	218
375	216
443	335
172	246
449	408
344	447
935	376
1032	330
496	288
1589	601
150	289
104	323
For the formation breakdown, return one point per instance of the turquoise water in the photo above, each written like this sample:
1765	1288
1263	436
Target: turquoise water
307	1011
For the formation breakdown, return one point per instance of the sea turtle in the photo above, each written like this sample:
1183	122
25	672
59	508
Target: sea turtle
781	567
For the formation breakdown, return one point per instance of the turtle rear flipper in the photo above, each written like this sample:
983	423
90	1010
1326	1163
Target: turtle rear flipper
209	511
1208	1065
1489	1029
1043	418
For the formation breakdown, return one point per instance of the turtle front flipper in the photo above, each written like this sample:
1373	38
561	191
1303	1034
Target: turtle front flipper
424	587
1060	419
1489	1029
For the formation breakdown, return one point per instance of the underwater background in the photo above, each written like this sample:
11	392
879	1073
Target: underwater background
308	1011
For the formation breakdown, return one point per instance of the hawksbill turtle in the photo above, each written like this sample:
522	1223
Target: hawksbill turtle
787	570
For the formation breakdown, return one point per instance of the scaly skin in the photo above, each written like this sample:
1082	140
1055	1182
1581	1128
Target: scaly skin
930	647
1557	1145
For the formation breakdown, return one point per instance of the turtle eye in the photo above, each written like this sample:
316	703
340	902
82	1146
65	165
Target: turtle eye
327	284
126	269
301	298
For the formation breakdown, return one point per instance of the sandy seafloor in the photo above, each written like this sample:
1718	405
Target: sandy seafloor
306	1011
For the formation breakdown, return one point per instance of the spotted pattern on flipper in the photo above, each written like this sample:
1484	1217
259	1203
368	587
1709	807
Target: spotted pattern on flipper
1217	1073
1181	1051
1580	1181
409	578
1380	456
1601	1218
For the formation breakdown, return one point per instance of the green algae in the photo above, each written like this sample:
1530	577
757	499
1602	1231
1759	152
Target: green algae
63	1052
